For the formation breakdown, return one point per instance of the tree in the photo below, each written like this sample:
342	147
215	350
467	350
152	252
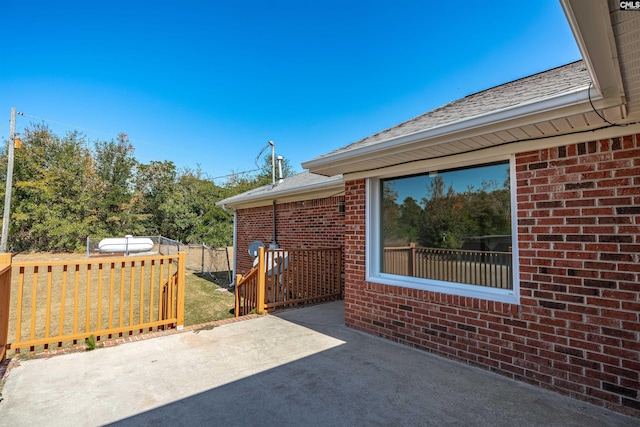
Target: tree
65	192
51	192
410	213
390	216
190	213
488	211
265	176
114	163
154	185
441	225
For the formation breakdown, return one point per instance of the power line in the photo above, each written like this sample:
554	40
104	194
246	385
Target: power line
234	174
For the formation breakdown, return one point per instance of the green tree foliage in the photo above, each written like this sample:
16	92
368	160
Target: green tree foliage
65	192
441	224
488	211
189	212
390	216
114	168
410	213
154	184
51	205
265	175
445	218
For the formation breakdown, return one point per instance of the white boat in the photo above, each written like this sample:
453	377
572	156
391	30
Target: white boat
126	244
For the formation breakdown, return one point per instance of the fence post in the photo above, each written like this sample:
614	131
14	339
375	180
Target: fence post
182	272
261	291
236	311
5	302
412	259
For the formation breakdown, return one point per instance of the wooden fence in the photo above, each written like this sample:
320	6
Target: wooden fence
5	296
66	301
481	268
248	288
289	277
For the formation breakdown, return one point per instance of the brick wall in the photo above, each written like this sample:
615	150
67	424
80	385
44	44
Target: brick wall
300	225
577	328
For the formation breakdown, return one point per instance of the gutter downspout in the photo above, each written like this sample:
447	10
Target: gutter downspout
274	245
235	243
235	248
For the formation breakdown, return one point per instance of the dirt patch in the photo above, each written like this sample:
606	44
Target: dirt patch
48	256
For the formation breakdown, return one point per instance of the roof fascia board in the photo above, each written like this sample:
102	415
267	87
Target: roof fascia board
553	107
314	191
492	154
591	26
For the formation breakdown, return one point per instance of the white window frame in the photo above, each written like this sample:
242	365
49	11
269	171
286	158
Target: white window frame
373	247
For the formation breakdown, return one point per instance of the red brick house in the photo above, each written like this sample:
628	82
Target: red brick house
502	229
304	211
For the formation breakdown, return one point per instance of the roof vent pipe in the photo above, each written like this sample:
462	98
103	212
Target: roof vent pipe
280	177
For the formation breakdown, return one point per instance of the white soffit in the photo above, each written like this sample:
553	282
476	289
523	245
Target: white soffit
565	114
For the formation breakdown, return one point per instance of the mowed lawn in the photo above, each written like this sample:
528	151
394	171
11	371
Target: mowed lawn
205	301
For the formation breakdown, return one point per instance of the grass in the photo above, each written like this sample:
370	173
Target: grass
205	301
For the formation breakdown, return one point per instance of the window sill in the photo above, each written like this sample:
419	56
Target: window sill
469	291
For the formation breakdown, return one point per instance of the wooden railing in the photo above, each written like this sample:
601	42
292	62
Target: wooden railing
5	302
247	289
61	301
284	277
481	268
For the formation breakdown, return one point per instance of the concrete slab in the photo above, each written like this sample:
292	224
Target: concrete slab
300	367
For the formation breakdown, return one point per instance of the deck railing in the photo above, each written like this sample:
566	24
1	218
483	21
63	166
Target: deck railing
66	301
247	289
285	277
5	302
481	268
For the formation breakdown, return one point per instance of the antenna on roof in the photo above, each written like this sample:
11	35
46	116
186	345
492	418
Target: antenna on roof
273	163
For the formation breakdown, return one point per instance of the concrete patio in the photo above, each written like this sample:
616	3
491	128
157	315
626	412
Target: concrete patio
299	367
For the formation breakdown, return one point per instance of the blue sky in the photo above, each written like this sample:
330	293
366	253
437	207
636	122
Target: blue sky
209	83
461	180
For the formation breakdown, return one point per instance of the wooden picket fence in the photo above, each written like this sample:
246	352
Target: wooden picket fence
67	301
481	268
288	277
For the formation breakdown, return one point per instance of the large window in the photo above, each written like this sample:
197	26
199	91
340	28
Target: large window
448	228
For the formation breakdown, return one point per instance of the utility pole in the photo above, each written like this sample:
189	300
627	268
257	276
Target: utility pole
9	183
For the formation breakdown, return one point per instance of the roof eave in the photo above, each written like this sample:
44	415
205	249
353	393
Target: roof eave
591	26
317	190
573	101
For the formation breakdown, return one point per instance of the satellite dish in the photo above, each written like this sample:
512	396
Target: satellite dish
254	246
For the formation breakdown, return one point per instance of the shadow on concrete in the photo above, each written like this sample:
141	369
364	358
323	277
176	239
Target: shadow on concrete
367	381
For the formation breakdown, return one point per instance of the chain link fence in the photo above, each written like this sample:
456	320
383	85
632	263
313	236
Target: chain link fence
202	259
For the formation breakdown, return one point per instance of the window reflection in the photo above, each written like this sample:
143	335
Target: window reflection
452	226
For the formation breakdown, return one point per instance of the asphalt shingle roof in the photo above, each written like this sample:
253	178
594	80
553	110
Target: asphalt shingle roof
292	184
528	89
